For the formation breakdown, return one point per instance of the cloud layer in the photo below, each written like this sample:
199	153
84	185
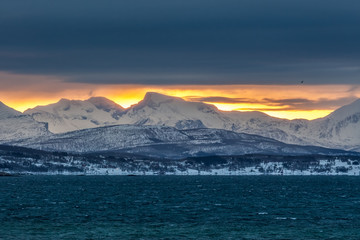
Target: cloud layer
298	104
183	42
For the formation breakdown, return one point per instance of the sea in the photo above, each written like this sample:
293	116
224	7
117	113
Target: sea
180	207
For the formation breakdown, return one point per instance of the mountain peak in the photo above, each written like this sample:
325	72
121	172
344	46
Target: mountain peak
63	101
69	115
105	104
158	97
99	102
6	112
345	111
153	100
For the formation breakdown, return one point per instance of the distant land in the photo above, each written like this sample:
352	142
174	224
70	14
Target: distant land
73	136
18	160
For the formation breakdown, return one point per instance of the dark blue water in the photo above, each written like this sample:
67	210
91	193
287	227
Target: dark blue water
187	207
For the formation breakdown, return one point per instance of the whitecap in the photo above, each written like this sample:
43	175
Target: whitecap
262	213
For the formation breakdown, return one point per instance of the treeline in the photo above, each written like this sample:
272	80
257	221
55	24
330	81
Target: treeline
19	159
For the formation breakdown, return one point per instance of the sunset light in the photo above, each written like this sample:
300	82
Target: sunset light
290	102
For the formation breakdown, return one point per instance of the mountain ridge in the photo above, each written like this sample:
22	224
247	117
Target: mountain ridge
15	125
340	129
6	111
168	142
69	115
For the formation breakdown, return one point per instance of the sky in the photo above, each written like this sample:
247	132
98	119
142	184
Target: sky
290	59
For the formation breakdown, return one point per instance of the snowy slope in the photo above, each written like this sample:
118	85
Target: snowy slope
7	112
158	109
15	126
168	142
341	129
154	109
54	163
70	115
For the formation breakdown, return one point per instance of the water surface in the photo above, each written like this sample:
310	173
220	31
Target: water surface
180	207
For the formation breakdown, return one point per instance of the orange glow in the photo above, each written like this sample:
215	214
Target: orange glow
41	90
309	115
276	112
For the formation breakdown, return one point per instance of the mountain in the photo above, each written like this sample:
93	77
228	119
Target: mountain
168	142
19	160
7	112
15	126
154	109
70	115
146	136
158	109
341	129
338	130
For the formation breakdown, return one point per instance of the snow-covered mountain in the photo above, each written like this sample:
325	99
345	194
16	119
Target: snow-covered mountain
70	115
15	126
158	109
7	112
341	129
168	142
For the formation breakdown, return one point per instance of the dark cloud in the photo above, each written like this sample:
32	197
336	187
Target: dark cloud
222	100
306	104
183	42
282	104
289	102
353	89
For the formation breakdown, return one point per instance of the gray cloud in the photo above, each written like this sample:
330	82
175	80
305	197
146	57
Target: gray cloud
282	104
217	99
183	42
294	102
353	89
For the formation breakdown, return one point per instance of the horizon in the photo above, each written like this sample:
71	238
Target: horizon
318	113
